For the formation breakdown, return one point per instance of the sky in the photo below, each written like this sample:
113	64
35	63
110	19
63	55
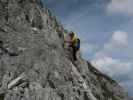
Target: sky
105	30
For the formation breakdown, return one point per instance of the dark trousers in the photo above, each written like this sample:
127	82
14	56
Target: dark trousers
75	52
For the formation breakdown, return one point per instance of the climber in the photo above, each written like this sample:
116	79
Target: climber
73	42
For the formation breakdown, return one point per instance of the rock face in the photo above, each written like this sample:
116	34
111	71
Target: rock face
34	65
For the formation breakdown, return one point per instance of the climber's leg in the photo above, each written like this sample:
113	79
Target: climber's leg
74	53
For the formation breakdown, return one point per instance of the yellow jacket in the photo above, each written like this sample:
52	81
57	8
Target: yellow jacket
74	40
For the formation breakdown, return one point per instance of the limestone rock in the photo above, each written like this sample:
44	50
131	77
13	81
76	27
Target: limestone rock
31	44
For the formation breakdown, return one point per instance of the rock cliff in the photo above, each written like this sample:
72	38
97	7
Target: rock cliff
34	65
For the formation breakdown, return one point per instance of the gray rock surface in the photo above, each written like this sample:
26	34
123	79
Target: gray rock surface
34	64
